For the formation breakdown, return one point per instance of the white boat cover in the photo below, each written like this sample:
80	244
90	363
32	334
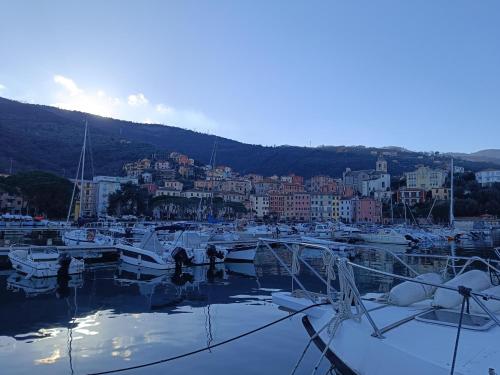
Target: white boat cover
408	292
476	280
492	305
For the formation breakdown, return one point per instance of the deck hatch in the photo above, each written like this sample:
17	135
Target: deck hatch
452	317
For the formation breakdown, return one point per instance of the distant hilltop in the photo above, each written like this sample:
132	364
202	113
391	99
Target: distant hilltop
47	138
489	156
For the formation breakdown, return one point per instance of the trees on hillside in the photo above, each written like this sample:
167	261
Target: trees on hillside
46	193
129	200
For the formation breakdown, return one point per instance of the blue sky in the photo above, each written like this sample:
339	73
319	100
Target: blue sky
423	75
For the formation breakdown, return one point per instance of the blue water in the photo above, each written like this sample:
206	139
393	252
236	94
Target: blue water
112	317
108	319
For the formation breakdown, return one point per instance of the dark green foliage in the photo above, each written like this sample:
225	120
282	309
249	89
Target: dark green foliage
470	200
46	193
129	200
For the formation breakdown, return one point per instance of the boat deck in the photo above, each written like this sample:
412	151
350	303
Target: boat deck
412	347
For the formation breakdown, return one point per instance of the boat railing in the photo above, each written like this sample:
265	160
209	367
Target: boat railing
349	297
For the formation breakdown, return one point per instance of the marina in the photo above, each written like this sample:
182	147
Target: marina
78	327
242	187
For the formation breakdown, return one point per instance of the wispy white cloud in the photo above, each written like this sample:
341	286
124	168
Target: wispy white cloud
72	97
162	108
134	107
2	87
68	84
137	99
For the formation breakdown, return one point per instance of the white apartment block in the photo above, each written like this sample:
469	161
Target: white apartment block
167	192
377	183
488	177
174	185
104	187
259	205
196	194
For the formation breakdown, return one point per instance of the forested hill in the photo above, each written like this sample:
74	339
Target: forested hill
47	138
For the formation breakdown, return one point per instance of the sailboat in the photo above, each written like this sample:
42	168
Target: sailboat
85	236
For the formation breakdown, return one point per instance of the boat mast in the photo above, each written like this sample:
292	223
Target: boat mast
74	186
392	211
452	218
83	169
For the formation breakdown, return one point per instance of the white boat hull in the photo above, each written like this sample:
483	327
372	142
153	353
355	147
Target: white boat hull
41	269
241	255
384	239
149	259
411	348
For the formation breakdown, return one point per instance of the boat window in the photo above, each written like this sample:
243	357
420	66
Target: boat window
44	259
129	254
148	258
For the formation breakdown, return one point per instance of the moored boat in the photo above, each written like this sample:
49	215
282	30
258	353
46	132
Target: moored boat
44	262
421	326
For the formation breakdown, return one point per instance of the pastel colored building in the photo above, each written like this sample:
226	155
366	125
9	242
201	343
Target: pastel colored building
324	207
346	210
367	210
196	194
298	206
167	192
277	204
425	178
411	196
173	185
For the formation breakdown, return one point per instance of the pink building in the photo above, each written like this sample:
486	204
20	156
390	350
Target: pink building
298	206
367	210
287	187
299	180
277	204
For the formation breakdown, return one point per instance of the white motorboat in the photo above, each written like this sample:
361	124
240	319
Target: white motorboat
420	327
322	230
240	252
187	248
44	262
86	236
385	236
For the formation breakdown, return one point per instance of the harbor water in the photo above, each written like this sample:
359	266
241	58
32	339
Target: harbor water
115	316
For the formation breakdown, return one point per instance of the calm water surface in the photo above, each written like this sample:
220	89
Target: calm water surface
113	316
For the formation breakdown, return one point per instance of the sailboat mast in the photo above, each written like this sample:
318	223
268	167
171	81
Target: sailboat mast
83	169
392	211
452	219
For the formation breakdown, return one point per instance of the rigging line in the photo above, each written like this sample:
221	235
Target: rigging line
211	346
90	153
74	185
466	293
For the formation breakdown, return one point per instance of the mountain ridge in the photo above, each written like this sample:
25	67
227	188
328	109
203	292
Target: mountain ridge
48	138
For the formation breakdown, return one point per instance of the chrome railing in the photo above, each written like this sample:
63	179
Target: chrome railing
295	247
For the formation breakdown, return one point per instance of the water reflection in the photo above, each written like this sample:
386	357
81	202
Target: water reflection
117	315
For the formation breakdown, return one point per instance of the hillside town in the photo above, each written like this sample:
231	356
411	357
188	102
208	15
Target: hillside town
358	196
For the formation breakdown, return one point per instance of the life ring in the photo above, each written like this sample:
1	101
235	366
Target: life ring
90	235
